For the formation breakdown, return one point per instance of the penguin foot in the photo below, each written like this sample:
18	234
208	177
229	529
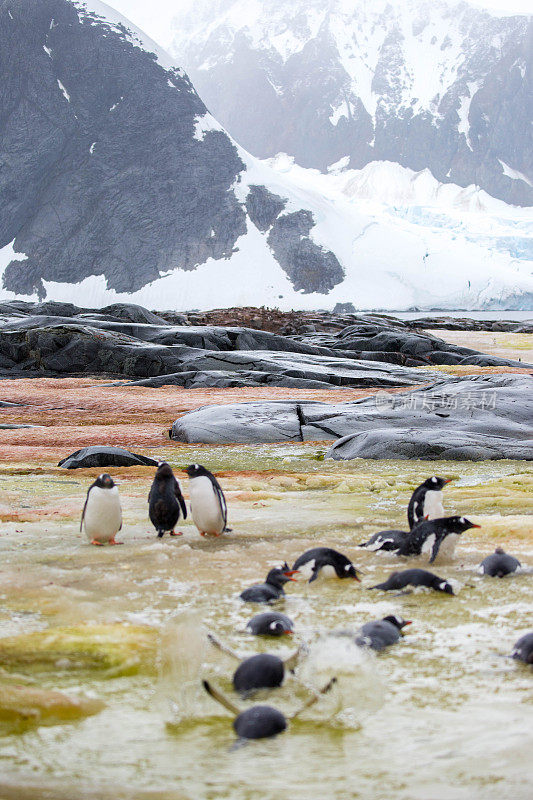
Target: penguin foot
173	533
95	541
112	541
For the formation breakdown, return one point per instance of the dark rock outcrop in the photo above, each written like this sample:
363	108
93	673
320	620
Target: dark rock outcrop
104	456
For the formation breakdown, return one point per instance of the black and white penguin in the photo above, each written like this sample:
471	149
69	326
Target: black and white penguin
261	722
326	562
272	588
271	623
262	671
165	501
426	501
414	577
102	513
499	564
208	504
523	649
385	540
433	536
382	633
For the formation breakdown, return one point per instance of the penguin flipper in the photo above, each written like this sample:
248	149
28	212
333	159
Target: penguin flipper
224	648
221	698
222	501
180	498
316	571
291	662
85	508
314	698
435	550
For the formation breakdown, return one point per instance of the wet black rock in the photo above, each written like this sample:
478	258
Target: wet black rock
105	457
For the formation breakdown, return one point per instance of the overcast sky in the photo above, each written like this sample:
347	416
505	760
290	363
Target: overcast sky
153	16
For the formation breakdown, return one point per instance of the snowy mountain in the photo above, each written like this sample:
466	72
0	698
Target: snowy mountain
438	85
117	184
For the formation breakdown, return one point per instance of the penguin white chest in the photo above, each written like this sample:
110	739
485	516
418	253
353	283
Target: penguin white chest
433	507
205	506
103	514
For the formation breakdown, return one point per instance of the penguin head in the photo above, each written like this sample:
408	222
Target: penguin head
164	470
104	481
435	483
398	622
444	586
196	471
459	524
280	575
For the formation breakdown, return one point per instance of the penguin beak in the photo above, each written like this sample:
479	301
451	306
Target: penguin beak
407	622
448	480
475	526
290	572
289	633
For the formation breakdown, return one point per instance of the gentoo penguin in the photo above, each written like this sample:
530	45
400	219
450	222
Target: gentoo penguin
261	722
426	501
262	671
382	633
523	649
102	513
165	500
208	504
385	540
434	535
499	564
323	560
272	588
414	577
271	623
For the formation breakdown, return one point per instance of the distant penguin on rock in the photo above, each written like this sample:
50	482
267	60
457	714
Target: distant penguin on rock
382	633
426	501
272	588
523	649
165	501
208	504
433	536
270	623
414	577
499	564
102	513
324	561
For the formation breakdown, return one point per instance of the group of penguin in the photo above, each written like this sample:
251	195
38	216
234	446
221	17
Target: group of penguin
429	532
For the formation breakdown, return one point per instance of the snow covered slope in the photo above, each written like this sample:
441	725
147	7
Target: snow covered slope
117	184
439	85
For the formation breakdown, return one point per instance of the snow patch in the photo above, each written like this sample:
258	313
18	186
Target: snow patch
63	91
47	51
464	110
204	125
91	148
514	174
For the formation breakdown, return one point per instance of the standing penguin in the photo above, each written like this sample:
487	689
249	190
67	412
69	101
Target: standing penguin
102	513
208	504
165	501
426	501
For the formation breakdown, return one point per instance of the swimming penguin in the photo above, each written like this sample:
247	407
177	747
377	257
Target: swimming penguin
414	577
261	671
382	633
385	540
272	588
271	623
165	501
261	722
523	649
426	501
102	513
330	563
208	504
499	564
434	535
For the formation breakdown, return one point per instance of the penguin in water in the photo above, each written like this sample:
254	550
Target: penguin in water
208	504
523	649
102	513
261	722
261	671
433	536
385	540
499	564
271	623
382	633
326	561
165	501
272	588
414	577
426	501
